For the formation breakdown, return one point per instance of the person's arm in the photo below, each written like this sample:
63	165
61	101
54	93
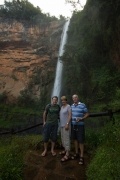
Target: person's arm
84	117
69	119
44	117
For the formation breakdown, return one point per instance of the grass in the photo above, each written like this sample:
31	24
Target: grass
12	155
105	147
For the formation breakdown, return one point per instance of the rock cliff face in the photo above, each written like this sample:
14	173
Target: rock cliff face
28	56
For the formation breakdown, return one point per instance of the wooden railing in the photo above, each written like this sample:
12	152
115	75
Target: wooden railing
108	113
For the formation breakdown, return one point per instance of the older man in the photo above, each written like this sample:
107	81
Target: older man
50	123
79	113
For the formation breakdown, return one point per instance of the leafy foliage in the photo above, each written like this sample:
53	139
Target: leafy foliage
89	66
92	70
23	10
12	116
25	98
12	155
106	161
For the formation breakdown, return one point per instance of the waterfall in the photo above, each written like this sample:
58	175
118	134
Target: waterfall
58	78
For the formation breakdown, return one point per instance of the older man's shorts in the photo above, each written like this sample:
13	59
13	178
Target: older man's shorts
50	131
78	133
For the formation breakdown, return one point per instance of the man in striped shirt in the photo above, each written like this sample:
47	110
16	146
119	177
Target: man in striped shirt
79	113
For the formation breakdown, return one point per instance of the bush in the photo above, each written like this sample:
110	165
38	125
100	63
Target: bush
105	164
18	116
11	163
92	139
12	155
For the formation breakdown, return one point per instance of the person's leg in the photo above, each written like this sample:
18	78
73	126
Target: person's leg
66	139
67	134
62	136
74	134
45	149
76	154
76	146
62	140
53	138
46	136
81	149
81	161
52	149
74	130
81	139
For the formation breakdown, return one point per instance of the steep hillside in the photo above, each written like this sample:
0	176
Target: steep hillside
28	55
92	59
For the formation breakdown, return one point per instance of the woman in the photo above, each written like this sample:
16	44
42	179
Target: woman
65	124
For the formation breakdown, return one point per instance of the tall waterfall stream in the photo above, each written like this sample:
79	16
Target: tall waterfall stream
58	78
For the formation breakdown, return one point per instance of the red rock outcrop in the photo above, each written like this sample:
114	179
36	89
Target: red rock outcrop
25	49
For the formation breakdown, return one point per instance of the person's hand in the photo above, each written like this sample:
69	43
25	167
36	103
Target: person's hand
78	119
44	123
66	127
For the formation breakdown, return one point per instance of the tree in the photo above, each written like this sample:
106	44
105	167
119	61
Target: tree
22	10
75	3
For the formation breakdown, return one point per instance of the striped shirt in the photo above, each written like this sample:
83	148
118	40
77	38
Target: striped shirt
78	111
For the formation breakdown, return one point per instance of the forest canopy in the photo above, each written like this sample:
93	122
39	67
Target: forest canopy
22	10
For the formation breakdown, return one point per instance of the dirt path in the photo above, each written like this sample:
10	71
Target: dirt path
50	168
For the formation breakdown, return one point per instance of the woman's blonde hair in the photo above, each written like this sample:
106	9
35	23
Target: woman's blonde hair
64	98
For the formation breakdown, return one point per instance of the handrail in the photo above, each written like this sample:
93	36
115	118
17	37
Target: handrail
108	113
98	114
24	129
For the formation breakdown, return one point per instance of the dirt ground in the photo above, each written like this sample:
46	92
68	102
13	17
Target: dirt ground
51	168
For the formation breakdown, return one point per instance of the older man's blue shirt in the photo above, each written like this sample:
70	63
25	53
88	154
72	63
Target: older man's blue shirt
78	111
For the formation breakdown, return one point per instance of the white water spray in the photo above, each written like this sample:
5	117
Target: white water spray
58	78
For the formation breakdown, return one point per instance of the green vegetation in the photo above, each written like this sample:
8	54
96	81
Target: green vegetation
12	155
12	116
91	63
24	10
105	146
92	70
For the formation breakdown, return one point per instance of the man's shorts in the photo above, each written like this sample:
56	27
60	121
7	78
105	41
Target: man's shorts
50	131
78	133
